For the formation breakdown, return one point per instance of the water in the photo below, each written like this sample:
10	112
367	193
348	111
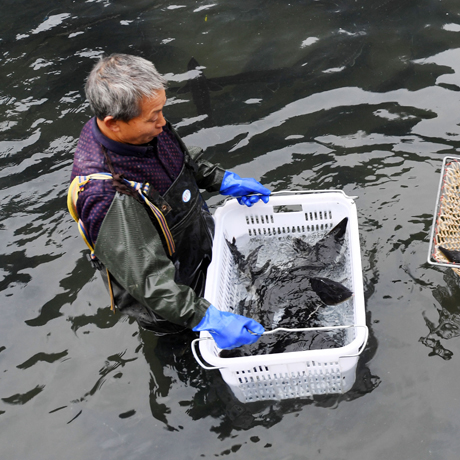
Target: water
360	96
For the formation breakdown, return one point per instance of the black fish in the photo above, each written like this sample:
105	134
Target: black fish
247	265
328	250
290	295
329	291
289	298
322	62
285	342
450	254
337	52
200	87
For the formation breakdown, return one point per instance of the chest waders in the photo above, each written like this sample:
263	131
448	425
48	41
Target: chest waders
191	225
186	228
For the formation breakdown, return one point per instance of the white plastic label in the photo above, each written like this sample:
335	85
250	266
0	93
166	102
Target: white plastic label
186	196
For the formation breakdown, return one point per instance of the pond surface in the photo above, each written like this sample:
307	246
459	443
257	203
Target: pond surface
360	96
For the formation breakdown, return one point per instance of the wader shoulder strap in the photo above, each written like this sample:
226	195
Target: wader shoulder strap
75	188
78	185
143	191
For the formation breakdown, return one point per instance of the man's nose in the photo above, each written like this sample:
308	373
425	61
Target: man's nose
161	120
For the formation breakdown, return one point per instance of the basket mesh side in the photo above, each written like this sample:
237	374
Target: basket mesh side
265	224
227	289
260	383
447	228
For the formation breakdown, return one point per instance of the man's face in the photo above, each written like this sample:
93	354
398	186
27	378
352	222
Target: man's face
147	125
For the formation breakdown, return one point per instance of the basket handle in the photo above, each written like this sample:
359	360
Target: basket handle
306	329
363	346
278	329
325	328
195	354
279	192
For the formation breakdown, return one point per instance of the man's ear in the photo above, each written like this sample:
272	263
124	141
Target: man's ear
111	124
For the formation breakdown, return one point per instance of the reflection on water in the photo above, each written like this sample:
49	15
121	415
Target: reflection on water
361	96
447	325
214	398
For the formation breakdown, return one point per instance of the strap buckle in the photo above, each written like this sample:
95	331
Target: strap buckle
154	196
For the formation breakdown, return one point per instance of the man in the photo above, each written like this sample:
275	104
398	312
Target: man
135	193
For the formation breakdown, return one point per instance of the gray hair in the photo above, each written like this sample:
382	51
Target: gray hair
118	83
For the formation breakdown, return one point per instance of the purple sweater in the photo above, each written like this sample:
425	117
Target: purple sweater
158	163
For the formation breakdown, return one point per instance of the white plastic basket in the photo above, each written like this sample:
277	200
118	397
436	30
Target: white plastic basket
290	374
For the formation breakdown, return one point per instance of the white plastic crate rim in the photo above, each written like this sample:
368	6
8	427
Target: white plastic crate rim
290	374
445	230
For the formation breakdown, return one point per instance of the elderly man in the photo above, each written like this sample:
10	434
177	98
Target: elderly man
135	193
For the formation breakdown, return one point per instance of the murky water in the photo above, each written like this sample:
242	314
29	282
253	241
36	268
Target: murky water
354	95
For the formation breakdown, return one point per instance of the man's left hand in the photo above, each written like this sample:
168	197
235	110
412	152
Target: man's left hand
247	190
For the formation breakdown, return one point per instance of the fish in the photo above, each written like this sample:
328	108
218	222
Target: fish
290	294
328	250
294	290
450	254
199	88
322	62
247	265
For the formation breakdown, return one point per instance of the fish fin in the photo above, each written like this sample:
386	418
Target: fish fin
329	291
238	257
339	230
262	269
211	85
256	273
192	64
329	247
253	255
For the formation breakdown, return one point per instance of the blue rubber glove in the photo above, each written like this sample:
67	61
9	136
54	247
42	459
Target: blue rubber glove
236	186
229	330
